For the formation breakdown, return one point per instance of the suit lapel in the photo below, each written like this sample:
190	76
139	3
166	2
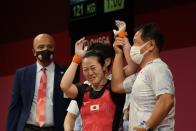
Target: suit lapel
32	79
57	78
58	94
55	92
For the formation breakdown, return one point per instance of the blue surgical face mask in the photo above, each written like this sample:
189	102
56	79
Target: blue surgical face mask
136	55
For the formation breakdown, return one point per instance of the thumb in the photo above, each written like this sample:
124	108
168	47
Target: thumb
85	48
134	128
115	32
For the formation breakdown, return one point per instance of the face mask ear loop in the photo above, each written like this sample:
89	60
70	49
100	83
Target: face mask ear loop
144	45
145	52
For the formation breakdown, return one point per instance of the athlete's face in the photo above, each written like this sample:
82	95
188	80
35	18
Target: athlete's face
93	71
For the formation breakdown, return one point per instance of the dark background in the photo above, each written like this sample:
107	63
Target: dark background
21	20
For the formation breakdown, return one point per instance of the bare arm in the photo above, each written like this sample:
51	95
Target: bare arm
69	121
131	67
122	48
117	69
67	85
163	105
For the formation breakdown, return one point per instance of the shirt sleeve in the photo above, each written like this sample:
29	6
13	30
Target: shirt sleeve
162	80
128	83
73	107
127	101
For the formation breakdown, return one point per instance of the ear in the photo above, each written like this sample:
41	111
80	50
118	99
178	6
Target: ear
152	45
34	53
107	62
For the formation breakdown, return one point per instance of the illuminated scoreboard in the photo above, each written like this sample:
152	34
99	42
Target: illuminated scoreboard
95	20
81	9
95	16
113	5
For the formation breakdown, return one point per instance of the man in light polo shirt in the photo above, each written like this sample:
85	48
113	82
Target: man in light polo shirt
152	101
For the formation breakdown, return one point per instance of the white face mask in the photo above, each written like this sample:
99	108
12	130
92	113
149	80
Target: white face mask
136	55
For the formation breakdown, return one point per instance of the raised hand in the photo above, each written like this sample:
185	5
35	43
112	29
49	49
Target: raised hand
121	27
117	45
81	47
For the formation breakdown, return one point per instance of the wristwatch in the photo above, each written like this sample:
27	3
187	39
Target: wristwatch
143	124
146	127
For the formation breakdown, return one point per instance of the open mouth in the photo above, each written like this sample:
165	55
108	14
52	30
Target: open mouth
91	78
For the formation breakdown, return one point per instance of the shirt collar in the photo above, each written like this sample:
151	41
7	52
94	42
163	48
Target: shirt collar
49	68
153	61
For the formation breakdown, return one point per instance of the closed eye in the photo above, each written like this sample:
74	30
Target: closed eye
85	69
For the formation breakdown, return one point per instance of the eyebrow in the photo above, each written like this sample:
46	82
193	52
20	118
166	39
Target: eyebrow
90	66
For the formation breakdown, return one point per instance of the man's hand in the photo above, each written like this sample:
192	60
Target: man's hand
126	113
81	47
139	128
117	45
126	45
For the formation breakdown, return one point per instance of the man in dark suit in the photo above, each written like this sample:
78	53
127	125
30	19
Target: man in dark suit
37	89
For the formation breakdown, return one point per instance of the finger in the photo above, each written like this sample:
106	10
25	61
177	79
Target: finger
117	21
80	40
118	39
120	22
117	44
83	38
84	43
118	25
85	48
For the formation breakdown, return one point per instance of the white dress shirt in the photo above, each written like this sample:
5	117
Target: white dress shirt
49	118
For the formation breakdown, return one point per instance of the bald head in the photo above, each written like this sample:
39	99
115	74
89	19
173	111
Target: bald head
43	39
43	42
43	48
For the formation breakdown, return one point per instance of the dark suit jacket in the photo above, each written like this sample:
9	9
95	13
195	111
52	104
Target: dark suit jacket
22	97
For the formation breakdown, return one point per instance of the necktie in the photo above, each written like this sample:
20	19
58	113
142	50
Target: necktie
41	100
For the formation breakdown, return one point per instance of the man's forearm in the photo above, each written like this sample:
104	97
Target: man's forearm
69	122
162	108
